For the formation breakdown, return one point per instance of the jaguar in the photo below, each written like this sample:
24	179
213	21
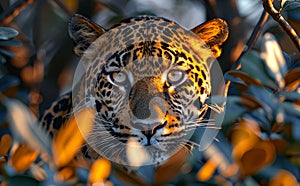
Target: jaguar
148	80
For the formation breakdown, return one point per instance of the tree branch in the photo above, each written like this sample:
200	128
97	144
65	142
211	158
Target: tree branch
252	40
268	6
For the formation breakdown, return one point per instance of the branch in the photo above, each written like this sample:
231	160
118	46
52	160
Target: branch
252	40
268	6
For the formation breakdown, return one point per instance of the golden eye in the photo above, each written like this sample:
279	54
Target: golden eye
176	77
119	78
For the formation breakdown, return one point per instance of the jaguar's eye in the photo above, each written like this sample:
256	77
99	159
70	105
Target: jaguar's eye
176	77
119	78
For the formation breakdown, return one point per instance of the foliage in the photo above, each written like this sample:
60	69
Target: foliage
259	140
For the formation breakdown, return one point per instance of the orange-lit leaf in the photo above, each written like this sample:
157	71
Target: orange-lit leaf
245	77
292	79
70	137
22	157
66	173
5	144
283	178
208	169
280	145
250	152
247	130
260	155
250	102
100	171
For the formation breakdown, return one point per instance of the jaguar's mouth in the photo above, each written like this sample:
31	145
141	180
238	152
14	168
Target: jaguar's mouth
150	133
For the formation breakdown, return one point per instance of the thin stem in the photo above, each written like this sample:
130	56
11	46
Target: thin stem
268	6
252	40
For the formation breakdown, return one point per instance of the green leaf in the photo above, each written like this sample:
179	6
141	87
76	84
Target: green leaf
255	67
291	109
245	78
275	62
7	33
292	96
262	117
10	43
7	53
233	110
291	9
8	81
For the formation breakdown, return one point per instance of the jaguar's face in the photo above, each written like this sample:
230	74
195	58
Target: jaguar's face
150	104
148	88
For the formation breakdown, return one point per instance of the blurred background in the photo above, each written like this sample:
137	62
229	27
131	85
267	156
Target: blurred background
37	61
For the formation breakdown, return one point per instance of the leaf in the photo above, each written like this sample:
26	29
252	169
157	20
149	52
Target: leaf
291	96
283	178
24	127
7	53
10	43
8	81
273	57
265	96
22	157
5	144
66	173
291	9
262	117
292	79
249	151
250	102
261	155
233	110
207	170
245	78
246	129
7	33
71	136
255	67
291	108
99	171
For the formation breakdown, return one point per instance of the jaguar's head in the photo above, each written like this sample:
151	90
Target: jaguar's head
148	79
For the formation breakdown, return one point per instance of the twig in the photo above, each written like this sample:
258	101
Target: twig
252	40
249	45
268	6
11	12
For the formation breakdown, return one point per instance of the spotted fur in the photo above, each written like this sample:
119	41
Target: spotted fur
148	79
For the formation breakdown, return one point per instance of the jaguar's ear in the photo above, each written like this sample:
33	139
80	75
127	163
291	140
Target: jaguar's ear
83	32
213	33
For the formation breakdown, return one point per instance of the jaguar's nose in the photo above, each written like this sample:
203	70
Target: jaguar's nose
148	128
147	101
